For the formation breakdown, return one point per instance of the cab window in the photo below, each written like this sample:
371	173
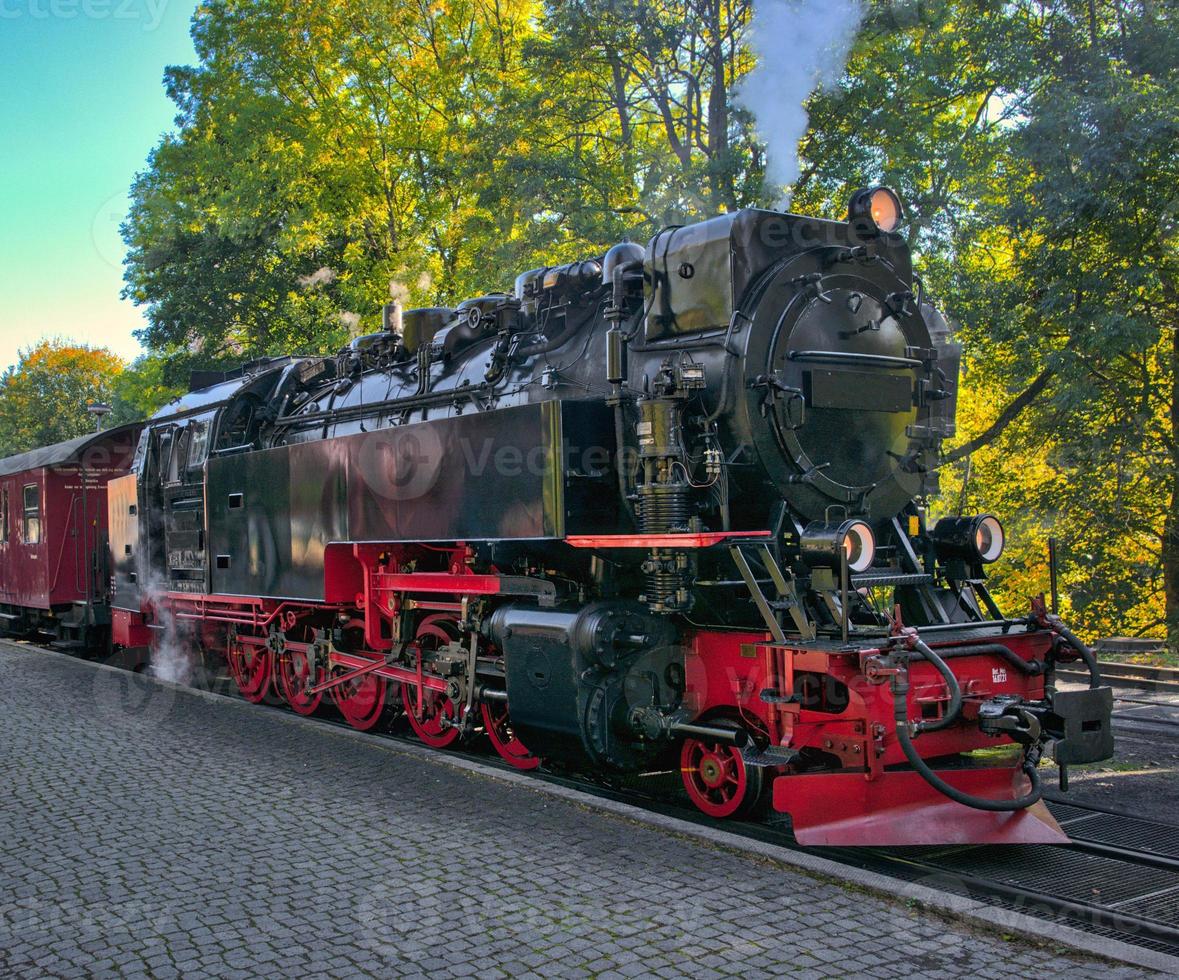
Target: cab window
164	454
198	443
178	459
141	449
32	514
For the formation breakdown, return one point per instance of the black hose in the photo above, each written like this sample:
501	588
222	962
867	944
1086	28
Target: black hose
1083	651
900	691
1032	667
954	711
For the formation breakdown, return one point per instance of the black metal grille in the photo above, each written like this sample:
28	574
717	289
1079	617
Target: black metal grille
869	580
1128	832
1064	812
1084	878
1157	908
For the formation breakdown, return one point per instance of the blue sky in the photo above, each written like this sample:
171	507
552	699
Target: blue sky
81	105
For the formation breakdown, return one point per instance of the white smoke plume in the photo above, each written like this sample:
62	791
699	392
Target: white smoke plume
322	276
350	322
174	654
800	45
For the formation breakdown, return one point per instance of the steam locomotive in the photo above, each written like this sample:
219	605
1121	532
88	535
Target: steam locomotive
663	508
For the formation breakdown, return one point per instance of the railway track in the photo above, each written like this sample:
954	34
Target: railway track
1118	878
1145	718
1137	715
1142	677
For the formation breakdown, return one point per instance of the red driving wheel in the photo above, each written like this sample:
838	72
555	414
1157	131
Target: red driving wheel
250	667
717	779
361	700
296	672
498	726
436	720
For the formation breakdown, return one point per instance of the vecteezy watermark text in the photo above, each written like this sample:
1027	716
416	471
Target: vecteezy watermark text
150	12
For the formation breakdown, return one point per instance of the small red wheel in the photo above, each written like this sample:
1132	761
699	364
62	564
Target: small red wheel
498	726
361	700
717	779
438	725
250	666
296	671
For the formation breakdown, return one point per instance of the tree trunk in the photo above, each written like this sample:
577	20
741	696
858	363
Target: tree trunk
1170	550
621	103
718	117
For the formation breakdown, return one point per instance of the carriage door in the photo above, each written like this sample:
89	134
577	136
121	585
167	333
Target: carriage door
183	492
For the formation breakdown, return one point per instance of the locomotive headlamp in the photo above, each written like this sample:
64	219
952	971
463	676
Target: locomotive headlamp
979	538
823	544
876	204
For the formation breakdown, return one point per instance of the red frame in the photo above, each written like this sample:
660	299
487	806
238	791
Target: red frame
868	801
870	797
705	539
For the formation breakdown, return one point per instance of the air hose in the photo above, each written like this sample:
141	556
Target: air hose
1032	667
955	707
900	692
1082	650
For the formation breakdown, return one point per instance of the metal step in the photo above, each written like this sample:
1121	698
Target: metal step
870	580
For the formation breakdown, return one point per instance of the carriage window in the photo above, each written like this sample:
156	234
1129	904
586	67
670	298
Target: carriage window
32	514
4	516
198	444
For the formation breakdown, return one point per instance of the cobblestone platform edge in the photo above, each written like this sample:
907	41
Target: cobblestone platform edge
961	908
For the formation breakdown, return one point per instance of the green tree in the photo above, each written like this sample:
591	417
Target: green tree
44	397
328	153
141	390
1068	299
324	153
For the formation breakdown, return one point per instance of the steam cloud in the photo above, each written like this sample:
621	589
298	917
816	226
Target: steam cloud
172	656
800	45
322	276
173	651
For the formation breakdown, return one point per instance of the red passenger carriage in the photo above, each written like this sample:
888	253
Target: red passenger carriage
54	573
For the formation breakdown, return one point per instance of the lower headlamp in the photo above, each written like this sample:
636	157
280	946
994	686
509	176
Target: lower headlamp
826	544
979	538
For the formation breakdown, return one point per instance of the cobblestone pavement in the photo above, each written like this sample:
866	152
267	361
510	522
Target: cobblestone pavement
145	830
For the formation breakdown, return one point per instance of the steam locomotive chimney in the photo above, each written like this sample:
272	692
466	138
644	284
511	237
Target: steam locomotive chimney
392	318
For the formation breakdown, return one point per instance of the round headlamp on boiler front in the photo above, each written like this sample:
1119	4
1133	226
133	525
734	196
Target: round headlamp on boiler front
824	545
878	205
977	539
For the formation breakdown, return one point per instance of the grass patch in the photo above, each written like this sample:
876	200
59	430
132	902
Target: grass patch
1165	657
995	754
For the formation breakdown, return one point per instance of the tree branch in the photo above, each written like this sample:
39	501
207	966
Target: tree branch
1006	417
